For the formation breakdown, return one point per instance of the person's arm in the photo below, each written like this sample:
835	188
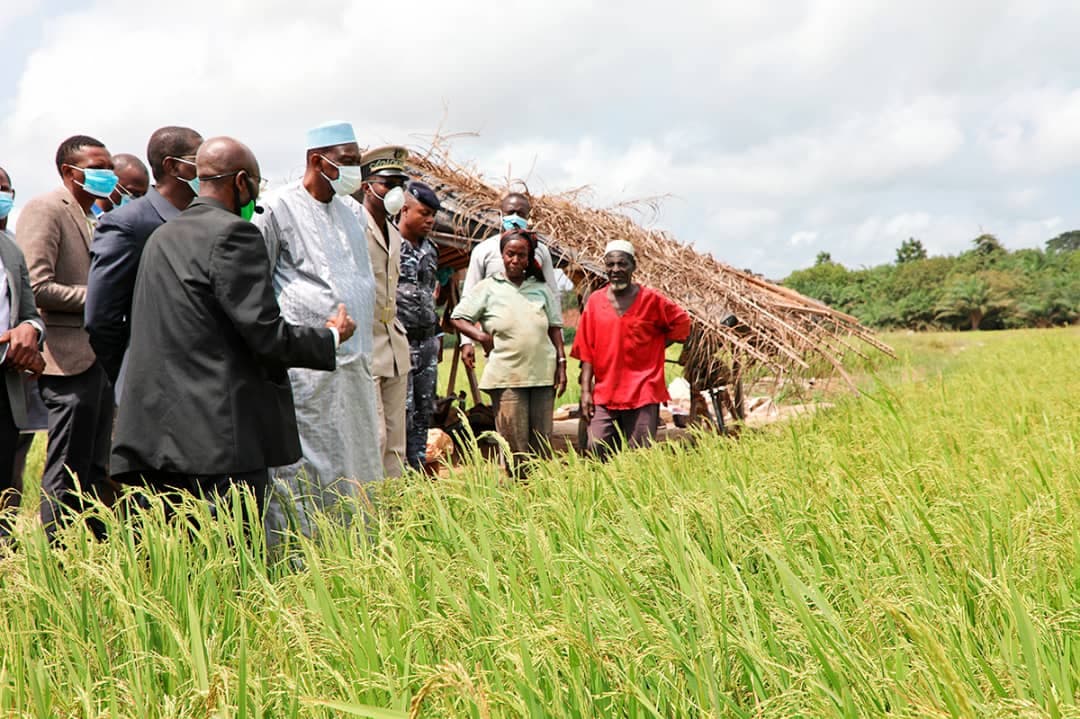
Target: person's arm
676	321
587	407
583	352
554	318
38	236
473	275
547	267
555	334
25	340
28	311
240	277
268	226
468	329
469	311
110	286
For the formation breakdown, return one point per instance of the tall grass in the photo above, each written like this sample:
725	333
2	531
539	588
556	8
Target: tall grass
911	553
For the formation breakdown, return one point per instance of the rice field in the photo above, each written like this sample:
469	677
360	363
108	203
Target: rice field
914	552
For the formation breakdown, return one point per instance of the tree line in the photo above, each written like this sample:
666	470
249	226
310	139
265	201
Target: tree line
986	287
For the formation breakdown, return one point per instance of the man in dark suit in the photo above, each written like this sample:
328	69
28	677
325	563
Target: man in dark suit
209	403
21	335
121	235
54	234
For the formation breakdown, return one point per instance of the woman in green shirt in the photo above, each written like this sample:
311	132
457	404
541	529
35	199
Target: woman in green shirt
521	333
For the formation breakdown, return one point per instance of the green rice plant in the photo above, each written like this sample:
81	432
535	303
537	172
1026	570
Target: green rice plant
911	552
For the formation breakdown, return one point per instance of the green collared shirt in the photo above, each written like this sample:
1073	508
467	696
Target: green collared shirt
518	319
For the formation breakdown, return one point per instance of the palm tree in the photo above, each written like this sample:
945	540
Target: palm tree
970	298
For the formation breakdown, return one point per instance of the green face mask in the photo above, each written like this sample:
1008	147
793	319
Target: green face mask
246	211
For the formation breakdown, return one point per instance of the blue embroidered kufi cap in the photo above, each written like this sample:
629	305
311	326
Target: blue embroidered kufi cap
330	134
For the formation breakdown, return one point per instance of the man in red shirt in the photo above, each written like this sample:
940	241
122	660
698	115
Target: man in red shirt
621	340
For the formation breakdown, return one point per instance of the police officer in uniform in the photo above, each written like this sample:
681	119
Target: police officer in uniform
383	196
416	310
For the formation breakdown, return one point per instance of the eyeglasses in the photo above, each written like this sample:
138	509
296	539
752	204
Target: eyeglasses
186	159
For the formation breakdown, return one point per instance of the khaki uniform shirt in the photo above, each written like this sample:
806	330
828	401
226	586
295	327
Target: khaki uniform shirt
390	353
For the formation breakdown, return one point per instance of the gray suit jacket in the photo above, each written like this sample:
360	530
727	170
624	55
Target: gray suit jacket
54	235
21	298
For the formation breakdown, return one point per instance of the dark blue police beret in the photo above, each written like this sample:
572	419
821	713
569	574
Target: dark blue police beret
424	194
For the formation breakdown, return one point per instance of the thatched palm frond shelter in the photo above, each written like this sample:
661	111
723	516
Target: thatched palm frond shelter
740	321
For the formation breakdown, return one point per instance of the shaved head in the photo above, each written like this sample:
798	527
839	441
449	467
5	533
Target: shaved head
123	161
170	141
223	155
228	171
131	173
516	203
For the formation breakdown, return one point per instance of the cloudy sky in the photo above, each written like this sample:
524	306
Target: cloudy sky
776	129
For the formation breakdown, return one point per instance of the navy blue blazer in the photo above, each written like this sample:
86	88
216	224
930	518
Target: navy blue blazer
114	263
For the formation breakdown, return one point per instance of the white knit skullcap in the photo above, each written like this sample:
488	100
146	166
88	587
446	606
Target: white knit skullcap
619	246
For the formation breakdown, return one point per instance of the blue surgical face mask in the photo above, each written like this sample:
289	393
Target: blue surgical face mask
193	183
514	222
125	197
97	182
7	201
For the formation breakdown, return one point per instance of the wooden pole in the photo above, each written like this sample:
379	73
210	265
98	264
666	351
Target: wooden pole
473	386
453	369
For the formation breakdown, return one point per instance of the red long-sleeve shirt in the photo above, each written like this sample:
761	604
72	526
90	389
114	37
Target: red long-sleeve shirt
627	352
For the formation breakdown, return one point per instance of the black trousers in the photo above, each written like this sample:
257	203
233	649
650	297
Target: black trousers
9	440
80	436
214	488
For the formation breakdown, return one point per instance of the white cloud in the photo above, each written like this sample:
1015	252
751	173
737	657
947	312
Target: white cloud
742	222
907	224
16	11
865	122
1037	132
1023	198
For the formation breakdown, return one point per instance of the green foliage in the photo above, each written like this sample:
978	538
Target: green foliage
987	244
827	282
909	251
1065	242
912	552
823	258
973	299
987	287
